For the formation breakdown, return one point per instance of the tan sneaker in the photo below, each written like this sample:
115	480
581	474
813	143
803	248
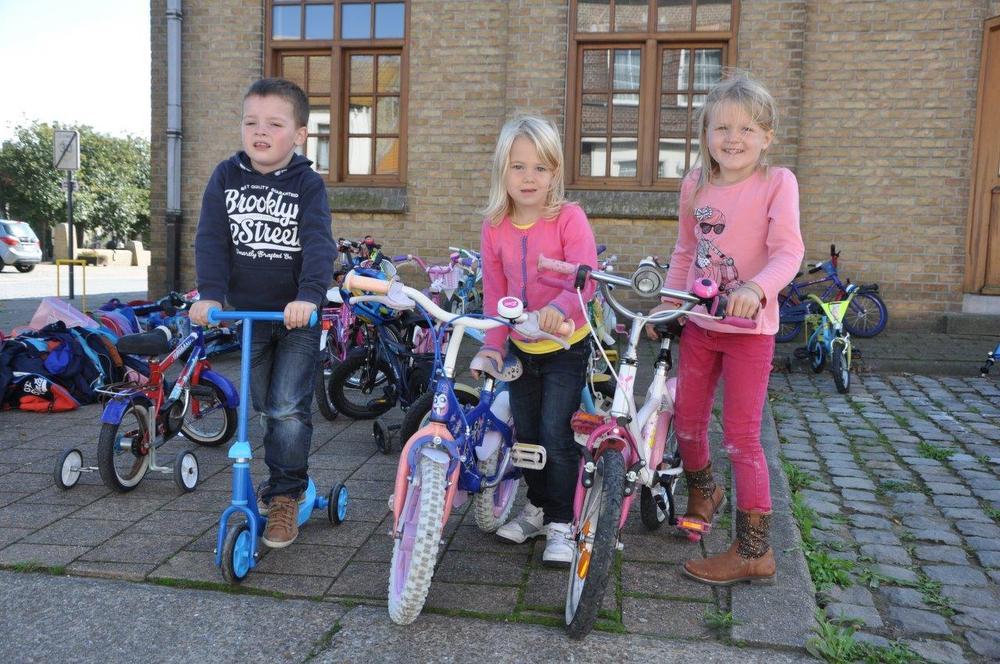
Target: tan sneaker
282	522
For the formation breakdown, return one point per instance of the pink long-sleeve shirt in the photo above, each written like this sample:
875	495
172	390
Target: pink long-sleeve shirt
510	265
748	231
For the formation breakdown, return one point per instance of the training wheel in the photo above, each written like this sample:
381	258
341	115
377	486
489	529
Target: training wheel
186	471
67	471
381	436
336	509
236	554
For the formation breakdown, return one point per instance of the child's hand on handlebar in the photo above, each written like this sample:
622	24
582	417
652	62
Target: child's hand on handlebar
744	302
297	313
663	306
199	311
487	355
549	319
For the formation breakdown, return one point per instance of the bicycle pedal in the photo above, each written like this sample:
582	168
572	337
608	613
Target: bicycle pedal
528	456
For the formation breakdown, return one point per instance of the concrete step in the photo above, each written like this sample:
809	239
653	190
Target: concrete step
987	325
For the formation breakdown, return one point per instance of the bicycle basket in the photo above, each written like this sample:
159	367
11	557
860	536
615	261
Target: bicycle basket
444	278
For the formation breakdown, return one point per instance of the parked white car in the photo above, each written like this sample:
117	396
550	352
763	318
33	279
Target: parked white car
18	246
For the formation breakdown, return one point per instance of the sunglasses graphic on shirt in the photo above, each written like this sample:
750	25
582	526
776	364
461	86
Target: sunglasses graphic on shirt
708	228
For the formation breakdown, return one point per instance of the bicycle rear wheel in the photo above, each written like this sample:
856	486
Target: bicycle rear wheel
787	329
596	542
654	504
866	315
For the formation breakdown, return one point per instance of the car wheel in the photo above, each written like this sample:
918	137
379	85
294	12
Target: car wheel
25	268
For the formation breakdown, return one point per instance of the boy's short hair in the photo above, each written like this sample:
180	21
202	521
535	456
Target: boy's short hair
290	92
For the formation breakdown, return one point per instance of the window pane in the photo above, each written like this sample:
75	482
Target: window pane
319	75
294	69
631	15
671	162
319	21
388	115
286	23
707	67
626	69
389	20
593	15
360	116
625	114
593	153
361	73
356	22
695	147
623	157
318	150
594	114
595	69
386	156
670	77
673	117
388	73
359	156
714	14
319	116
673	15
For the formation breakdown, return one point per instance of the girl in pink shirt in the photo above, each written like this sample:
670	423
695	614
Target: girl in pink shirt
528	215
738	225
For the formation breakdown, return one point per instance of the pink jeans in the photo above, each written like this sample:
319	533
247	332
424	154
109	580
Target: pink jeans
744	362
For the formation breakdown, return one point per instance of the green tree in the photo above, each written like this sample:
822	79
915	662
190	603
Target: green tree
113	195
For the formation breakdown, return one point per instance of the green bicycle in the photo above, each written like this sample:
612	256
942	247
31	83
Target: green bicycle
829	341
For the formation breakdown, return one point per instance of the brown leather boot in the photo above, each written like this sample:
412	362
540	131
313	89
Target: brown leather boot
749	558
705	499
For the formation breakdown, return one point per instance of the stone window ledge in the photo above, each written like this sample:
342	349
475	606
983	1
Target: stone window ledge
626	204
367	199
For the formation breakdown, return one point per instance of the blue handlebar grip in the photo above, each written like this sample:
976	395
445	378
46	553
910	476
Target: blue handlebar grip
215	316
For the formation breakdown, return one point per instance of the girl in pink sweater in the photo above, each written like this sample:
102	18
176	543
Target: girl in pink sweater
528	215
739	225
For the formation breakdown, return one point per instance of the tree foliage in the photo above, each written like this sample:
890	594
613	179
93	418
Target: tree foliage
113	194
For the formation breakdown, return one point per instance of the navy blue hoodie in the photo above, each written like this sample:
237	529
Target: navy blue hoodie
264	240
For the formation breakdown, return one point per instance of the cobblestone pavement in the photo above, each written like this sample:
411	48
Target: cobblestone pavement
901	477
155	533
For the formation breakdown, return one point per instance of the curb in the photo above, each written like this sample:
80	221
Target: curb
782	615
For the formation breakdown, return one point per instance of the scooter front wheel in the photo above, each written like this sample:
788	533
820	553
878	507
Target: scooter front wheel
596	541
236	554
416	545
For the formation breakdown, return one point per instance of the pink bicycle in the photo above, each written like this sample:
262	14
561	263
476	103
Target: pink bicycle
627	448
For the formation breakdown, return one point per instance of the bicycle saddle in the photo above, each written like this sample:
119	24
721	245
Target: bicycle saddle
156	342
510	371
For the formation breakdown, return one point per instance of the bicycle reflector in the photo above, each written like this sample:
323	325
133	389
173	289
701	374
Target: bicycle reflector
693	525
647	280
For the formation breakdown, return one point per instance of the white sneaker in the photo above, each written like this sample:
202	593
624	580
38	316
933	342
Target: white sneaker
558	545
527	524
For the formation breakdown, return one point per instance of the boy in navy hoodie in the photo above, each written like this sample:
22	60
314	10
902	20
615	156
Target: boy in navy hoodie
264	244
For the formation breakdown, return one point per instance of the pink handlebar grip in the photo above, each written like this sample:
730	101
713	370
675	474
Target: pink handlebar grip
554	265
736	321
355	282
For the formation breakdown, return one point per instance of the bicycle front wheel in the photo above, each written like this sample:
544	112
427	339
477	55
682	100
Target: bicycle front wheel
596	542
123	450
840	365
866	315
415	550
355	388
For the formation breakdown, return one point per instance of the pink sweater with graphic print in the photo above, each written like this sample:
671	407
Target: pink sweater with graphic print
748	231
510	265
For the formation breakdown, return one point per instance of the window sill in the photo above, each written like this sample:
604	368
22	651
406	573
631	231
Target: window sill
626	204
367	199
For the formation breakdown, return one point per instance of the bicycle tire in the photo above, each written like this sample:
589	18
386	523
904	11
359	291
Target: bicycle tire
324	403
492	506
584	595
856	318
649	511
418	414
423	509
218	400
787	330
340	380
108	450
840	366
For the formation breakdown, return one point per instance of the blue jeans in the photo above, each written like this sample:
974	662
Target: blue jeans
542	402
282	373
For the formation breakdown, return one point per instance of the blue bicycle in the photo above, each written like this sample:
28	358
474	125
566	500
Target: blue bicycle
236	549
866	316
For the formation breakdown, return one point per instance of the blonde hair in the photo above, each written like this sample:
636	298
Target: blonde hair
755	101
544	136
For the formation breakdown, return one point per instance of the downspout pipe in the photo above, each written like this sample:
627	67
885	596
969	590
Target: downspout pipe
174	217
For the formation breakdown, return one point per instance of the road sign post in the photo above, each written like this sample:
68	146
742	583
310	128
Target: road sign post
66	157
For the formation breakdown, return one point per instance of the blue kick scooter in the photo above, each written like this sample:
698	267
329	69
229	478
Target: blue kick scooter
236	549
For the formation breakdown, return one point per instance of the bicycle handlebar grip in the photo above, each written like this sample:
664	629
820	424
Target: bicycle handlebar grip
355	282
737	321
554	265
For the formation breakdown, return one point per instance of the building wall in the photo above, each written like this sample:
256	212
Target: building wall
876	103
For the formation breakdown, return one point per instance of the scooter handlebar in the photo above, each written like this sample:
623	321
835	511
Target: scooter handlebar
217	316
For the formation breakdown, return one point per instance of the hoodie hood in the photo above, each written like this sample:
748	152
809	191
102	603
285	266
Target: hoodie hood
294	169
